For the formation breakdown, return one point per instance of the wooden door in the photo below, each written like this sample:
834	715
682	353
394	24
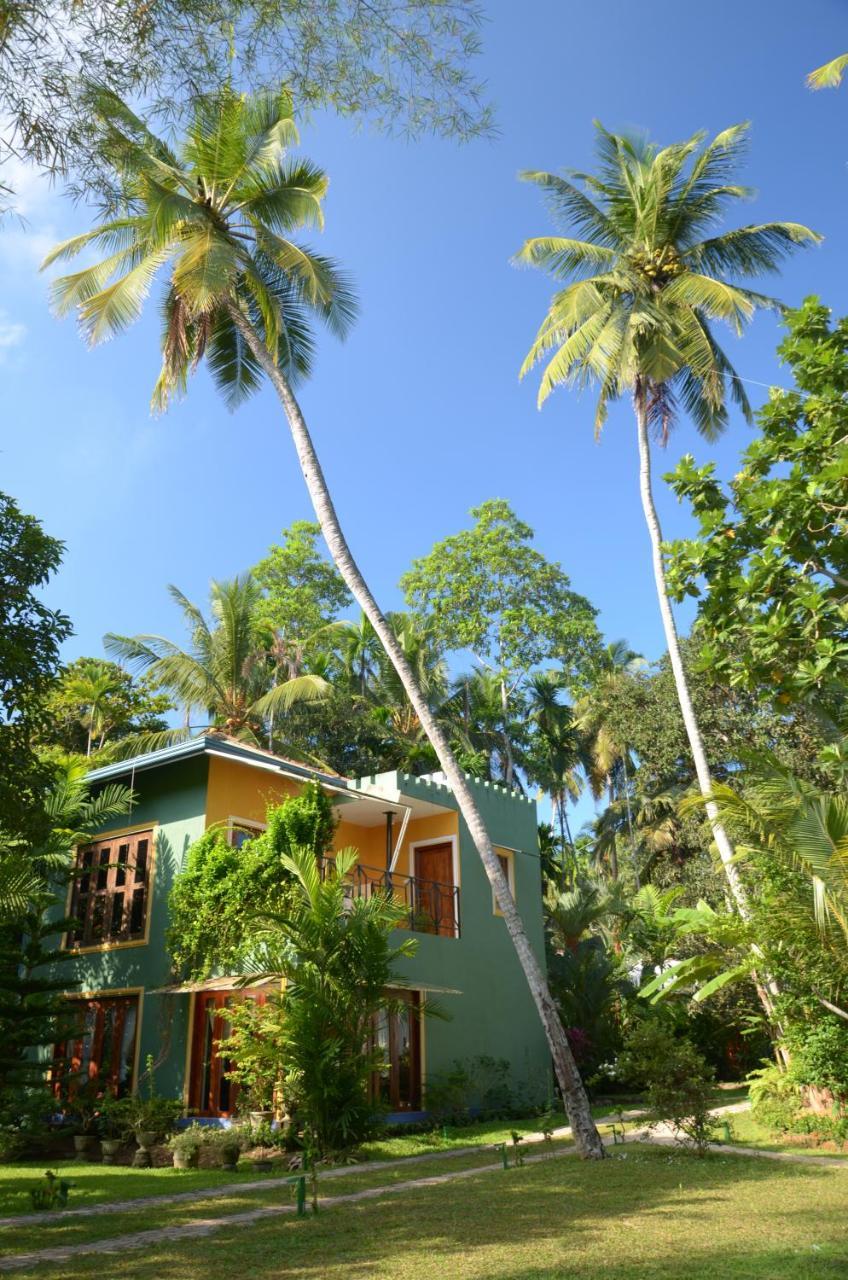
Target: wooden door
211	1093
435	897
397	1084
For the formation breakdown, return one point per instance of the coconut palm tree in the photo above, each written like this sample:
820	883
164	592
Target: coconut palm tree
633	315
830	75
215	220
556	760
609	763
229	671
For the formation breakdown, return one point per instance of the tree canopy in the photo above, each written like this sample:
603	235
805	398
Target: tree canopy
488	591
769	564
30	638
405	66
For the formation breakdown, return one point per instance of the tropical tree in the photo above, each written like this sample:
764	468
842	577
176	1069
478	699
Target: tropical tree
609	759
228	672
31	636
488	591
639	295
769	564
336	959
556	757
391	707
240	293
96	703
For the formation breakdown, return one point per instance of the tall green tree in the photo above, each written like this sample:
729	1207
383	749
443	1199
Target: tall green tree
304	592
643	276
215	220
31	635
96	703
488	591
227	673
769	565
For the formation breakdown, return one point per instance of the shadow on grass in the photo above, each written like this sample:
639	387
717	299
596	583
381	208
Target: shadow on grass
652	1214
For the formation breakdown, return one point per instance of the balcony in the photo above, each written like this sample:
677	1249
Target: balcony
429	906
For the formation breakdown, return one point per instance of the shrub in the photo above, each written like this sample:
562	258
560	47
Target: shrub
775	1098
822	1058
677	1081
24	1120
471	1089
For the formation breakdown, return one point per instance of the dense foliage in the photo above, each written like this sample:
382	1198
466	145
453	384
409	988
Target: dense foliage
223	895
30	638
769	563
405	65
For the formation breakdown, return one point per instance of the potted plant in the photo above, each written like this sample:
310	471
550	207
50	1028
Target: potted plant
152	1118
115	1126
85	1107
185	1145
227	1145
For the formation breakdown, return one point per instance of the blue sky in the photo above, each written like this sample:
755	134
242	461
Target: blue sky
420	415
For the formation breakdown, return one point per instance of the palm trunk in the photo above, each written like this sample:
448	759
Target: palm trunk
693	733
586	1135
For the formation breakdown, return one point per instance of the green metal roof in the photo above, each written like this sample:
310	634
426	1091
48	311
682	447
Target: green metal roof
211	744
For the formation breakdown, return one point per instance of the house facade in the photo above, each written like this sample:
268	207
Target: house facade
408	833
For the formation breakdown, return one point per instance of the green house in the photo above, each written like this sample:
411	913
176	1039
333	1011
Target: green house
407	831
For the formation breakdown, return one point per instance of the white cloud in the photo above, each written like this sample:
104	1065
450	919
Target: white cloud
33	223
12	334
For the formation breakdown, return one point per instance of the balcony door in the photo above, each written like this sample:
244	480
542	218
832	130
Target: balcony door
435	892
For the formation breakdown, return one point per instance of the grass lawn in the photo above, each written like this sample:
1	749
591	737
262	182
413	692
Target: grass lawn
98	1184
646	1214
71	1230
748	1133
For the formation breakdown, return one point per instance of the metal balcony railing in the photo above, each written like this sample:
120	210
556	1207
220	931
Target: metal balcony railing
430	907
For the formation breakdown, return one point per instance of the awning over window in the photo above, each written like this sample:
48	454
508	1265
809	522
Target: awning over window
233	983
237	983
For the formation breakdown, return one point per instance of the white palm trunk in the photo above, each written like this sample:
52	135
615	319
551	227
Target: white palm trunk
702	769
586	1135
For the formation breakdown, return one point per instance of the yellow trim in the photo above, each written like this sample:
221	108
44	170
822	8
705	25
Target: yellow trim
509	854
153	828
119	991
189	1049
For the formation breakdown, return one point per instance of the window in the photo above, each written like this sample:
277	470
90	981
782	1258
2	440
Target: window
239	830
505	858
110	895
100	1048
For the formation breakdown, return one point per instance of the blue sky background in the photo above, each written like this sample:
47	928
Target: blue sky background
420	414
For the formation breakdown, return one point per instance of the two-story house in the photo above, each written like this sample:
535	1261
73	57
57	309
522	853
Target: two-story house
408	833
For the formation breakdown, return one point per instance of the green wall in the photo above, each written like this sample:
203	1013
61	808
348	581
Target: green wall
494	1015
175	798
